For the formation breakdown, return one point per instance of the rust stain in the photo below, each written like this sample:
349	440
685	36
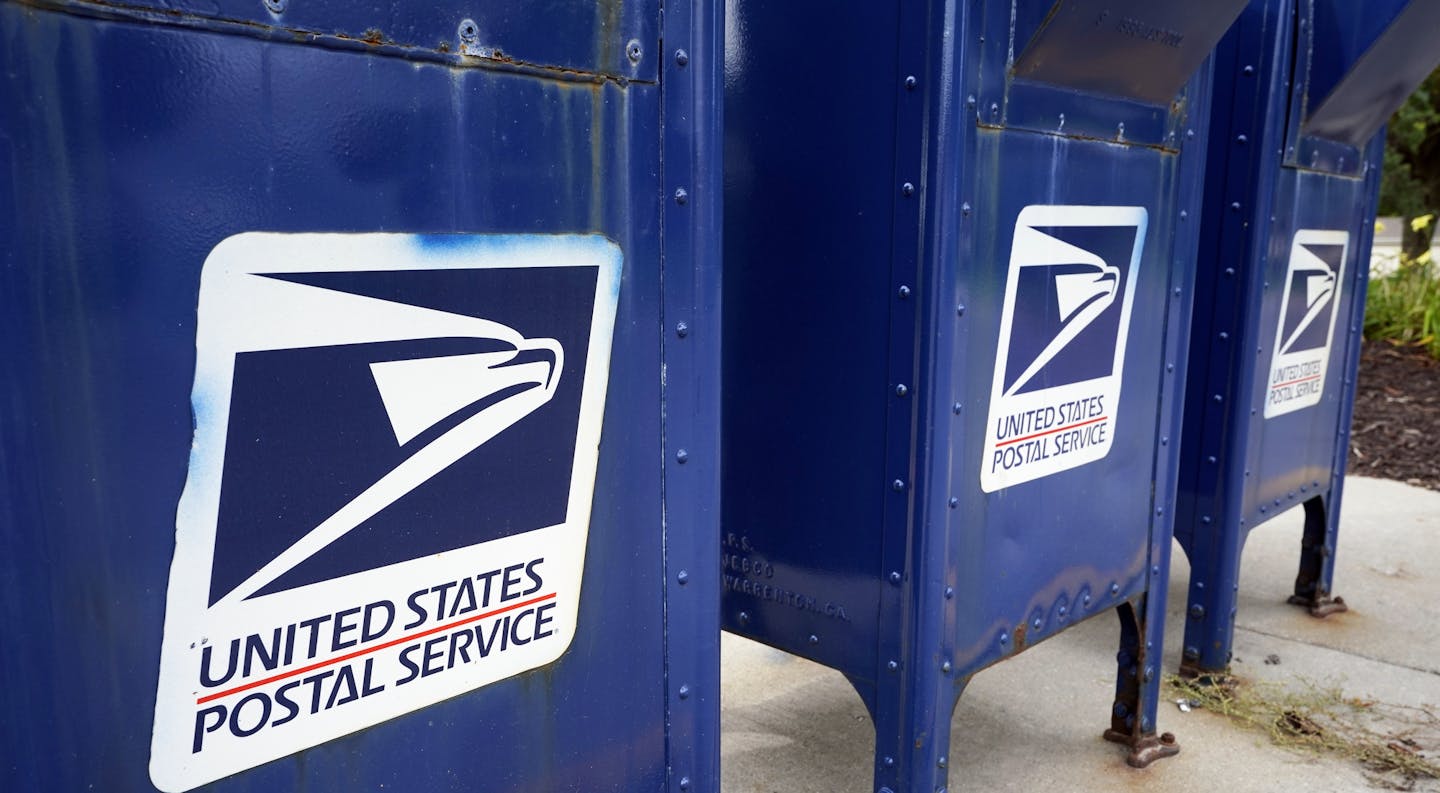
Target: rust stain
372	39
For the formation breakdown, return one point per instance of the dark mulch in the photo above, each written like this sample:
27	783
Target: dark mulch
1396	432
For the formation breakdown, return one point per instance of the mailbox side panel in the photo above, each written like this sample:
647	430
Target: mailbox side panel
808	299
130	150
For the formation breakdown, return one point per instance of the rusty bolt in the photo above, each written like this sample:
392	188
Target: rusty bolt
1167	738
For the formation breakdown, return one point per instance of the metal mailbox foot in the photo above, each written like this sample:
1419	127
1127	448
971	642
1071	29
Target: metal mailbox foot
1145	750
1137	687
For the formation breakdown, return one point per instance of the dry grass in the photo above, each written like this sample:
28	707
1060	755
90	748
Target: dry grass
1394	743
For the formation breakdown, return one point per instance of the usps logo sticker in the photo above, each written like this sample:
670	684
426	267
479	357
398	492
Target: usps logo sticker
1308	309
1063	326
390	483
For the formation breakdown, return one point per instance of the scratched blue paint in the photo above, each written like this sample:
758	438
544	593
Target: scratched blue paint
1275	175
869	239
133	140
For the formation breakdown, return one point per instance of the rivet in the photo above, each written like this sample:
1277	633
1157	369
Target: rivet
1184	215
1189	134
682	329
893	666
682	456
1262	509
1145	725
960	310
994	109
955	408
1149	674
684	783
949	592
468	30
1197	611
895	578
1164	439
965	208
744	618
945	667
1177	291
954	502
684	692
901	390
1242	139
907	189
898	485
1062	611
1155	569
683	577
1224	336
1248	71
633	51
1192	653
1004	637
942	762
910	83
1160	510
1120	710
1035	624
1219	398
1205	519
813	639
681	196
903	292
1169	367
681	57
1211	459
275	6
1114	590
888	762
1085	601
1235	206
1230	271
970	101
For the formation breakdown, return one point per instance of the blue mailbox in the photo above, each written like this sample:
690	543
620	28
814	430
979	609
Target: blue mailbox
1303	90
959	241
338	373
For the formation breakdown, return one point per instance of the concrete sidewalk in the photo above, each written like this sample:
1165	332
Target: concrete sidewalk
1033	723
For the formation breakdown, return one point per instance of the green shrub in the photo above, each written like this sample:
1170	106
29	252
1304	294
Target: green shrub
1403	307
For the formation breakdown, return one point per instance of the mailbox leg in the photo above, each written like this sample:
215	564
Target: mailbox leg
1137	684
1210	608
916	760
1317	559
